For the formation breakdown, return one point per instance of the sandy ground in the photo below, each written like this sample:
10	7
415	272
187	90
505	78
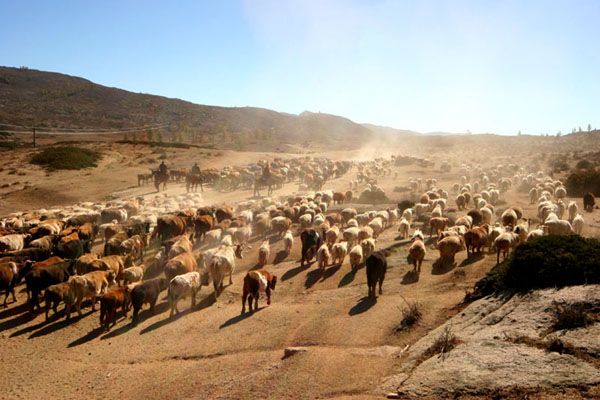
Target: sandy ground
212	351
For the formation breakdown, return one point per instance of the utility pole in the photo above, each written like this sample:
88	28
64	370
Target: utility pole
33	137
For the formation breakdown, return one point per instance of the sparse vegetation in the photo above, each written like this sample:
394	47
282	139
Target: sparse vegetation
65	157
411	314
547	261
570	315
581	182
584	164
443	344
373	197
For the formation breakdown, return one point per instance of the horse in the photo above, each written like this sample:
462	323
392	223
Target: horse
269	182
160	177
192	181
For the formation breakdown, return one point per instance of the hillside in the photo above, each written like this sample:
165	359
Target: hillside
54	101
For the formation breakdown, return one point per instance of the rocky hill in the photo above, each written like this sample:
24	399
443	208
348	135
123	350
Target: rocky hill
56	101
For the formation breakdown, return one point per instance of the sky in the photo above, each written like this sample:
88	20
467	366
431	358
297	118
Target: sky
455	66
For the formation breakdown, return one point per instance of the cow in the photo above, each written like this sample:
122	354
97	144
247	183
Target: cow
182	286
202	224
589	201
311	240
112	263
146	292
110	303
14	242
223	213
133	274
54	294
113	245
88	232
90	285
376	268
170	226
181	264
182	245
135	245
10	276
255	282
83	265
73	249
45	242
39	279
221	263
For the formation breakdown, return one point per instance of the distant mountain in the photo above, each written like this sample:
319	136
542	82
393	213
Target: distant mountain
386	130
54	101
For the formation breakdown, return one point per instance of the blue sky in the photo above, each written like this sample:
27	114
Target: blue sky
483	66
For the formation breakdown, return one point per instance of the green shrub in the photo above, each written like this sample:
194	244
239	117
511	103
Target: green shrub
581	182
547	261
373	197
584	164
65	157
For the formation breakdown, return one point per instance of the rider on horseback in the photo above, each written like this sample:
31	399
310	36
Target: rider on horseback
162	168
196	169
266	174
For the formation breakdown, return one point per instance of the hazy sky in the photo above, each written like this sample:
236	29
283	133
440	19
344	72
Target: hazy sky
484	66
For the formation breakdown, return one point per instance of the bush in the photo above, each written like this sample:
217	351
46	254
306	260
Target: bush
443	344
547	261
584	164
65	157
411	314
570	315
581	182
373	197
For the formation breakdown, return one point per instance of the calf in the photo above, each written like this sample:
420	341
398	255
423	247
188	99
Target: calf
57	293
180	287
110	303
90	285
263	253
146	292
255	282
376	268
311	241
133	274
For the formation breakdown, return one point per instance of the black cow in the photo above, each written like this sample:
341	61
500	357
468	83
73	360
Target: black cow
477	217
589	201
376	268
311	241
73	250
146	292
32	254
137	228
39	279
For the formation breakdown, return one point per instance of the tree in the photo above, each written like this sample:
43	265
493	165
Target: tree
589	127
520	134
579	129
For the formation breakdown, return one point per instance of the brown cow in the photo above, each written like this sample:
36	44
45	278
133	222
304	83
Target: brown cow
169	226
255	282
83	265
202	224
90	285
112	263
57	293
476	238
110	303
225	212
181	264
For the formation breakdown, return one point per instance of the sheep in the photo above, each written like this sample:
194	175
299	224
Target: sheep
509	217
351	235
417	250
338	252
465	220
438	224
377	225
323	256
560	193
534	234
263	253
212	237
305	220
356	256
437	211
448	247
486	214
404	228
288	241
577	224
504	243
368	247
572	208
558	227
332	234
365	232
408	215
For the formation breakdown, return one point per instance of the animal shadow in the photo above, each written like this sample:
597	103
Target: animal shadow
362	306
410	277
